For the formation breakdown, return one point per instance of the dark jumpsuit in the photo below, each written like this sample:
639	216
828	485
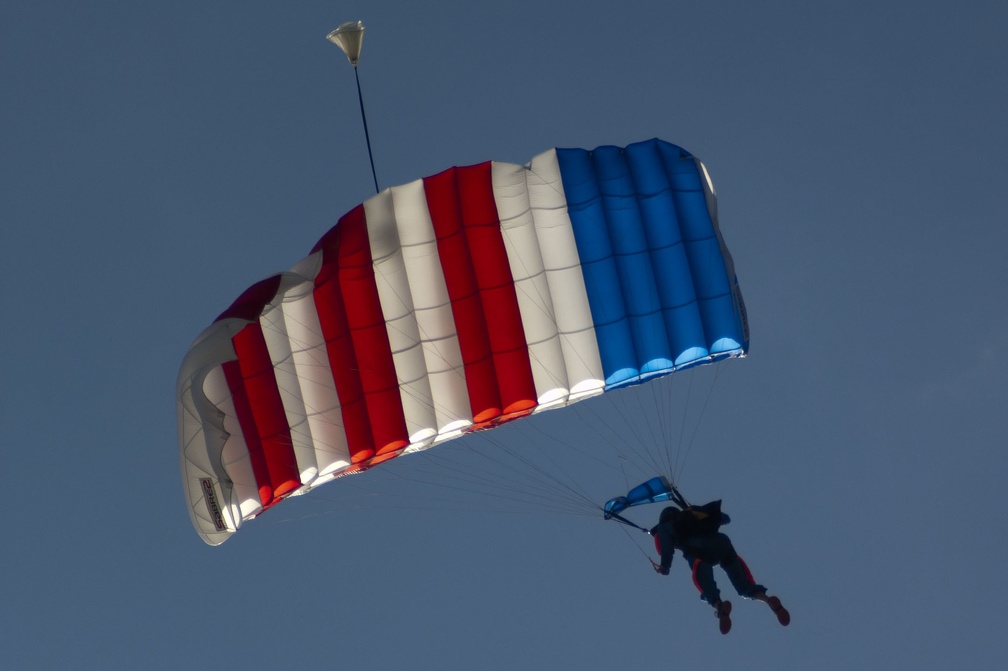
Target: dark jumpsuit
703	551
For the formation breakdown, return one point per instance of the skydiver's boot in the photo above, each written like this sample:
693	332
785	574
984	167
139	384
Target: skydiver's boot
783	616
722	610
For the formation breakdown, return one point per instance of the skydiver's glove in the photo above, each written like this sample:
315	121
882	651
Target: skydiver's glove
664	570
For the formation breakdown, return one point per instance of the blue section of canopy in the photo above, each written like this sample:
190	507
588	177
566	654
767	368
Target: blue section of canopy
660	283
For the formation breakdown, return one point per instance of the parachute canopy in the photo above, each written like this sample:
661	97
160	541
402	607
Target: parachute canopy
453	303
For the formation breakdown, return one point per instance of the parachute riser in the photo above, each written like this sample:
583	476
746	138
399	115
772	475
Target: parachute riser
622	520
678	498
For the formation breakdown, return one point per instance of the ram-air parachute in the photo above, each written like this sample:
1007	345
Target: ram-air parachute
453	303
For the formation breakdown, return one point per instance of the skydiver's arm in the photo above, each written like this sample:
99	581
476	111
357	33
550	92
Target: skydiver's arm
666	540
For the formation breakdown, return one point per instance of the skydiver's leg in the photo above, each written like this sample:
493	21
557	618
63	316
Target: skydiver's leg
704	552
742	580
703	579
718	549
783	616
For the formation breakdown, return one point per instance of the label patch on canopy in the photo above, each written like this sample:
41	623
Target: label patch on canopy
210	496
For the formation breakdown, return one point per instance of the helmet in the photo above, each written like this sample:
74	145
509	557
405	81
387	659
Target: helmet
668	514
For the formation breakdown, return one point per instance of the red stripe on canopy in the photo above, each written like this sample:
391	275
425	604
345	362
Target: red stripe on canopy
478	277
460	279
250	304
261	415
496	288
233	375
346	298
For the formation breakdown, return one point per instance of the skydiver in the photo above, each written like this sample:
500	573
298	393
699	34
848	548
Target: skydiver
694	531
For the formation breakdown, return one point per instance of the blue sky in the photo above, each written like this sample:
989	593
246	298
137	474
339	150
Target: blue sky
156	159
